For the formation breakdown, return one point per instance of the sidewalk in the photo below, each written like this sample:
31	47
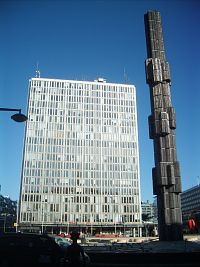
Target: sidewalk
190	244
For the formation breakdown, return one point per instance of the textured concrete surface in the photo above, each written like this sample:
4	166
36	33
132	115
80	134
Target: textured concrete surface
147	252
162	125
189	244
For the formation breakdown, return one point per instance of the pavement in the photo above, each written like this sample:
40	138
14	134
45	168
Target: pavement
147	253
156	246
146	245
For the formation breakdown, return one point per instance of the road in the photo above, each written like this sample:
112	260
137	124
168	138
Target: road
119	259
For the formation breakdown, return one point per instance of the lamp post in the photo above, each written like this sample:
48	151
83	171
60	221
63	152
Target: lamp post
42	219
115	227
4	223
18	117
91	230
29	218
67	227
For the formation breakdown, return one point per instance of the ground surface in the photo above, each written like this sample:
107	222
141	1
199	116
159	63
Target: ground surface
145	252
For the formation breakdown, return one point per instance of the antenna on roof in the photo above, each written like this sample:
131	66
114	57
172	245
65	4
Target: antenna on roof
198	181
37	72
126	80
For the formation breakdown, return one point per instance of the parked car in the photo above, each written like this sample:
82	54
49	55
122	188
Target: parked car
64	244
35	250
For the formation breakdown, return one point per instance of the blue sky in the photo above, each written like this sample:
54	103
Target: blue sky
90	39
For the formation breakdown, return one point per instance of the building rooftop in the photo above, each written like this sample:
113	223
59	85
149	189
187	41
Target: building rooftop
192	188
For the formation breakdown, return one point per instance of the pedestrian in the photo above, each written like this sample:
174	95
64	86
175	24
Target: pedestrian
75	253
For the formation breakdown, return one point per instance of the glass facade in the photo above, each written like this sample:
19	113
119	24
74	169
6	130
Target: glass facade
80	161
149	211
190	202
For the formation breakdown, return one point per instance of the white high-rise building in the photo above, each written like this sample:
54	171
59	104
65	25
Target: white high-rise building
80	161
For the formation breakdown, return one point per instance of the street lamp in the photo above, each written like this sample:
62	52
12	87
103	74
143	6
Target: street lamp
29	218
18	117
4	223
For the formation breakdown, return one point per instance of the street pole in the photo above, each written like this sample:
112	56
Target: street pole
42	219
17	217
4	224
91	229
68	228
18	117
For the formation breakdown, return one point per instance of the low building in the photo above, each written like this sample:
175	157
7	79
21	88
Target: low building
8	211
190	202
147	211
149	218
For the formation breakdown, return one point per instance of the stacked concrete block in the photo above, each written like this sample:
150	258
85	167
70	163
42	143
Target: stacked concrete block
162	125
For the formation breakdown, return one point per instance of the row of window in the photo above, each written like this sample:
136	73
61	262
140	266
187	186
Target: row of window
106	98
81	96
88	162
85	102
189	196
33	192
56	218
79	109
84	186
82	143
53	198
41	85
79	177
80	139
120	113
111	132
81	155
93	208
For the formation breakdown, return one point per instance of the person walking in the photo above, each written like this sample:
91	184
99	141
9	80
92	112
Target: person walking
75	253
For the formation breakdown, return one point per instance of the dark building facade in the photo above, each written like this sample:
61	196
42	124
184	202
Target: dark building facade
190	202
147	211
8	212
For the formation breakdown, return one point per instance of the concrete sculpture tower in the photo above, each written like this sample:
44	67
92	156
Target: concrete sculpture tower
162	125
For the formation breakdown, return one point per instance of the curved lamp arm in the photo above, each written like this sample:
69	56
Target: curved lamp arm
18	117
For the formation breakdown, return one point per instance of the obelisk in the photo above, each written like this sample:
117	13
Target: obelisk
162	125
